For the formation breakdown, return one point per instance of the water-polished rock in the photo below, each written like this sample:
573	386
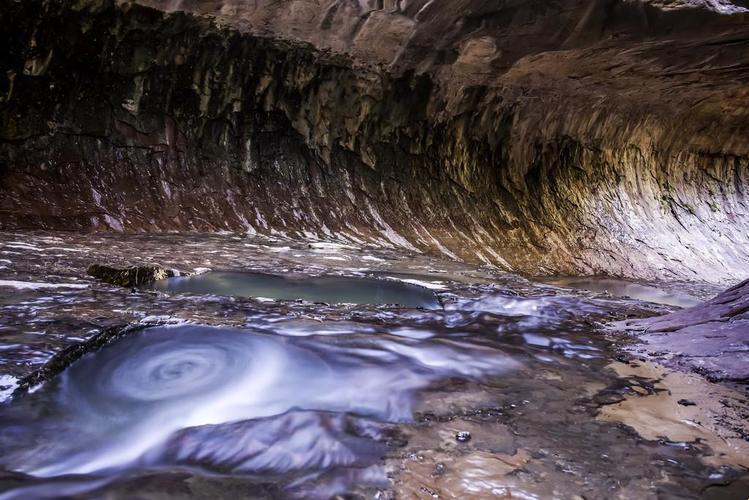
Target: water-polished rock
571	137
711	338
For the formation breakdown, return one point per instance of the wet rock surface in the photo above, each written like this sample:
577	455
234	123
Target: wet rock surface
658	411
571	137
528	369
436	147
131	277
711	338
67	356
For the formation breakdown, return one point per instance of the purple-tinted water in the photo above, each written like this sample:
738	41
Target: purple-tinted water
227	393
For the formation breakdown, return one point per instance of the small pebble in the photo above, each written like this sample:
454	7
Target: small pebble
463	436
687	402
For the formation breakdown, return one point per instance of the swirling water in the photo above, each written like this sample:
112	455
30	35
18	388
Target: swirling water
124	402
223	396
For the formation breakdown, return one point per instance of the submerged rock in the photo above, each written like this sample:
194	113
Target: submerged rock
132	276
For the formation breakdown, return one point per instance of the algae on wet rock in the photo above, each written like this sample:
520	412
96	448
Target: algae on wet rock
130	277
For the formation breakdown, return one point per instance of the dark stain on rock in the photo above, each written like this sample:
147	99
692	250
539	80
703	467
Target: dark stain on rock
131	277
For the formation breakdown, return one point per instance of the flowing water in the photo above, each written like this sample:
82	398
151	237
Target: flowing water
312	369
334	289
621	288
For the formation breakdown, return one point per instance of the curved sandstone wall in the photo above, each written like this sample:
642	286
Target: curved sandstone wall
543	137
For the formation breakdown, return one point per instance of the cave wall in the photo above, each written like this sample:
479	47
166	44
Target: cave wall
613	143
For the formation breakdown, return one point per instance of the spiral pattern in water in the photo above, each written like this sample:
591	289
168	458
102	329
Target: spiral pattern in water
170	369
124	402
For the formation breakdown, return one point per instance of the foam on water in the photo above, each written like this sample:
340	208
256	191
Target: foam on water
301	400
29	285
125	402
537	311
8	384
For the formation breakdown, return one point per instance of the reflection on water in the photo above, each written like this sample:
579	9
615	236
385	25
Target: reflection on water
331	289
621	288
283	399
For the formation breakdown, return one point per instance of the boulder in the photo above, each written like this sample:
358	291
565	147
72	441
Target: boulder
130	277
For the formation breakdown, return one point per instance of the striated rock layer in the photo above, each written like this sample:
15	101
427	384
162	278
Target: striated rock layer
711	338
571	136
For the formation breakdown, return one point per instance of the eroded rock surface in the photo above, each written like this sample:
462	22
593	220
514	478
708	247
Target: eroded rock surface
519	365
712	338
571	137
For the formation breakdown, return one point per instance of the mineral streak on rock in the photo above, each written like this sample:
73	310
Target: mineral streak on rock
575	137
131	277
